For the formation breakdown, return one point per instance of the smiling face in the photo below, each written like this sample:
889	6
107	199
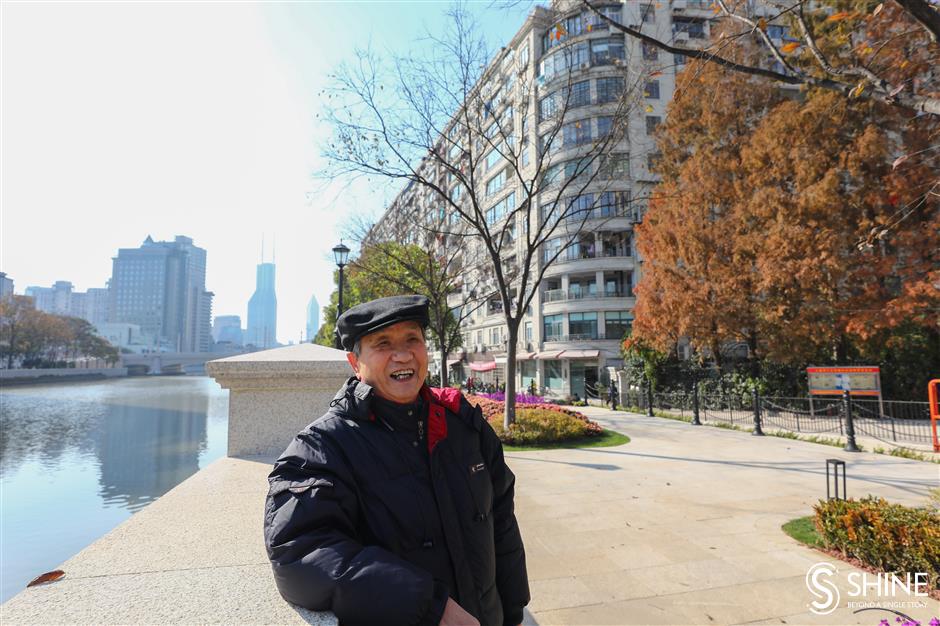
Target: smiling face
393	361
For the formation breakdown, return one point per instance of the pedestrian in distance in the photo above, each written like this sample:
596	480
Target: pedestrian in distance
612	395
396	506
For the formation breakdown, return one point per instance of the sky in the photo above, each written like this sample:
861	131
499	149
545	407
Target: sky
120	120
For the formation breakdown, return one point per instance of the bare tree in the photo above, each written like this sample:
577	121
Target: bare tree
894	62
459	131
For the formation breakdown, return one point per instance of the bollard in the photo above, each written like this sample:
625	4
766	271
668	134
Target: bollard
649	397
695	408
849	423
758	431
836	464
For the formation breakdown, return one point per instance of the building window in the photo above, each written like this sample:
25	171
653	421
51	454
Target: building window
552	327
496	183
501	209
547	107
604	125
651	91
648	13
580	94
550	248
494	157
579	208
650	52
695	28
527	334
582	326
577	133
525	157
652	121
604	51
613	203
652	160
617	324
614	167
496	335
609	89
524	56
553	375
679	59
550	142
527	370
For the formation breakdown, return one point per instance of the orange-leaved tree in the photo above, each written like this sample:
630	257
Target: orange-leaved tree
761	230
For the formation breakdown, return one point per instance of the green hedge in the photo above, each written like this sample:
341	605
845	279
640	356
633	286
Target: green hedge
890	537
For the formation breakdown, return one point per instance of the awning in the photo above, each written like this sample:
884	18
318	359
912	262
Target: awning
483	366
525	356
543	356
500	360
580	354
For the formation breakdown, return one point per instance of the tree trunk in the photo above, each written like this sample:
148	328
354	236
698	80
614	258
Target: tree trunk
443	350
509	415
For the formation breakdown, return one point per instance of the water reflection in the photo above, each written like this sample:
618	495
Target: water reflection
77	459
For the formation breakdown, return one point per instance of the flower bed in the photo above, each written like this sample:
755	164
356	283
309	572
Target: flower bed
537	423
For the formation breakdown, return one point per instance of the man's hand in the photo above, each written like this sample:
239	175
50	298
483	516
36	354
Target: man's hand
454	615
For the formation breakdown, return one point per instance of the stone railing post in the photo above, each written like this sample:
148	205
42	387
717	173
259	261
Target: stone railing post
275	393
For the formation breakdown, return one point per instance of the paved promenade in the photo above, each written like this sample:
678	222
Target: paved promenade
680	526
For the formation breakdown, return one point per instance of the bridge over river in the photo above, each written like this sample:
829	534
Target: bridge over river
172	362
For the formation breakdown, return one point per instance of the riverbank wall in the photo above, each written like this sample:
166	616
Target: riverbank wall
59	375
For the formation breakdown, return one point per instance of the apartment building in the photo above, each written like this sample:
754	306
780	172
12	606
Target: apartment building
568	63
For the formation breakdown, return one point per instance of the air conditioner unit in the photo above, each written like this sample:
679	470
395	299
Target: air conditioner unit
584	66
528	346
483	348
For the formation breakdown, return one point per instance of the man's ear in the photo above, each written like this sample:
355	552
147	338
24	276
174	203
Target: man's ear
353	362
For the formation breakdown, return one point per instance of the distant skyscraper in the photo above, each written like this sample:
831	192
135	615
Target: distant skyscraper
6	285
262	310
161	287
227	329
313	318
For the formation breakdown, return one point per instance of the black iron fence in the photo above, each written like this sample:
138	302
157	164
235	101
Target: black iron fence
890	421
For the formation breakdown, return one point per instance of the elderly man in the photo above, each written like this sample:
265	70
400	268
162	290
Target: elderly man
396	506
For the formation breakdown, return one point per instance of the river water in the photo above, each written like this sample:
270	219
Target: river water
77	459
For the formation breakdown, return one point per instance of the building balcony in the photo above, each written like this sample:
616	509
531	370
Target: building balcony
561	295
579	338
586	261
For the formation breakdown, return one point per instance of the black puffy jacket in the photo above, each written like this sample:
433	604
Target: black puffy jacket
354	525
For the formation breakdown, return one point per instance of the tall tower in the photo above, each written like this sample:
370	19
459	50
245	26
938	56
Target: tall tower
262	308
313	318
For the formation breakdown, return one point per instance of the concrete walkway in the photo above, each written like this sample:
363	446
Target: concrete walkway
682	525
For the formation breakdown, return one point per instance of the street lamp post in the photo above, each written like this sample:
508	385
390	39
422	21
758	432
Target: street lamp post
340	255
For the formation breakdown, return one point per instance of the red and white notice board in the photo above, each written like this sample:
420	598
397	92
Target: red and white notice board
858	381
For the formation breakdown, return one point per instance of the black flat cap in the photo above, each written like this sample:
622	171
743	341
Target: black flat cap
369	317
